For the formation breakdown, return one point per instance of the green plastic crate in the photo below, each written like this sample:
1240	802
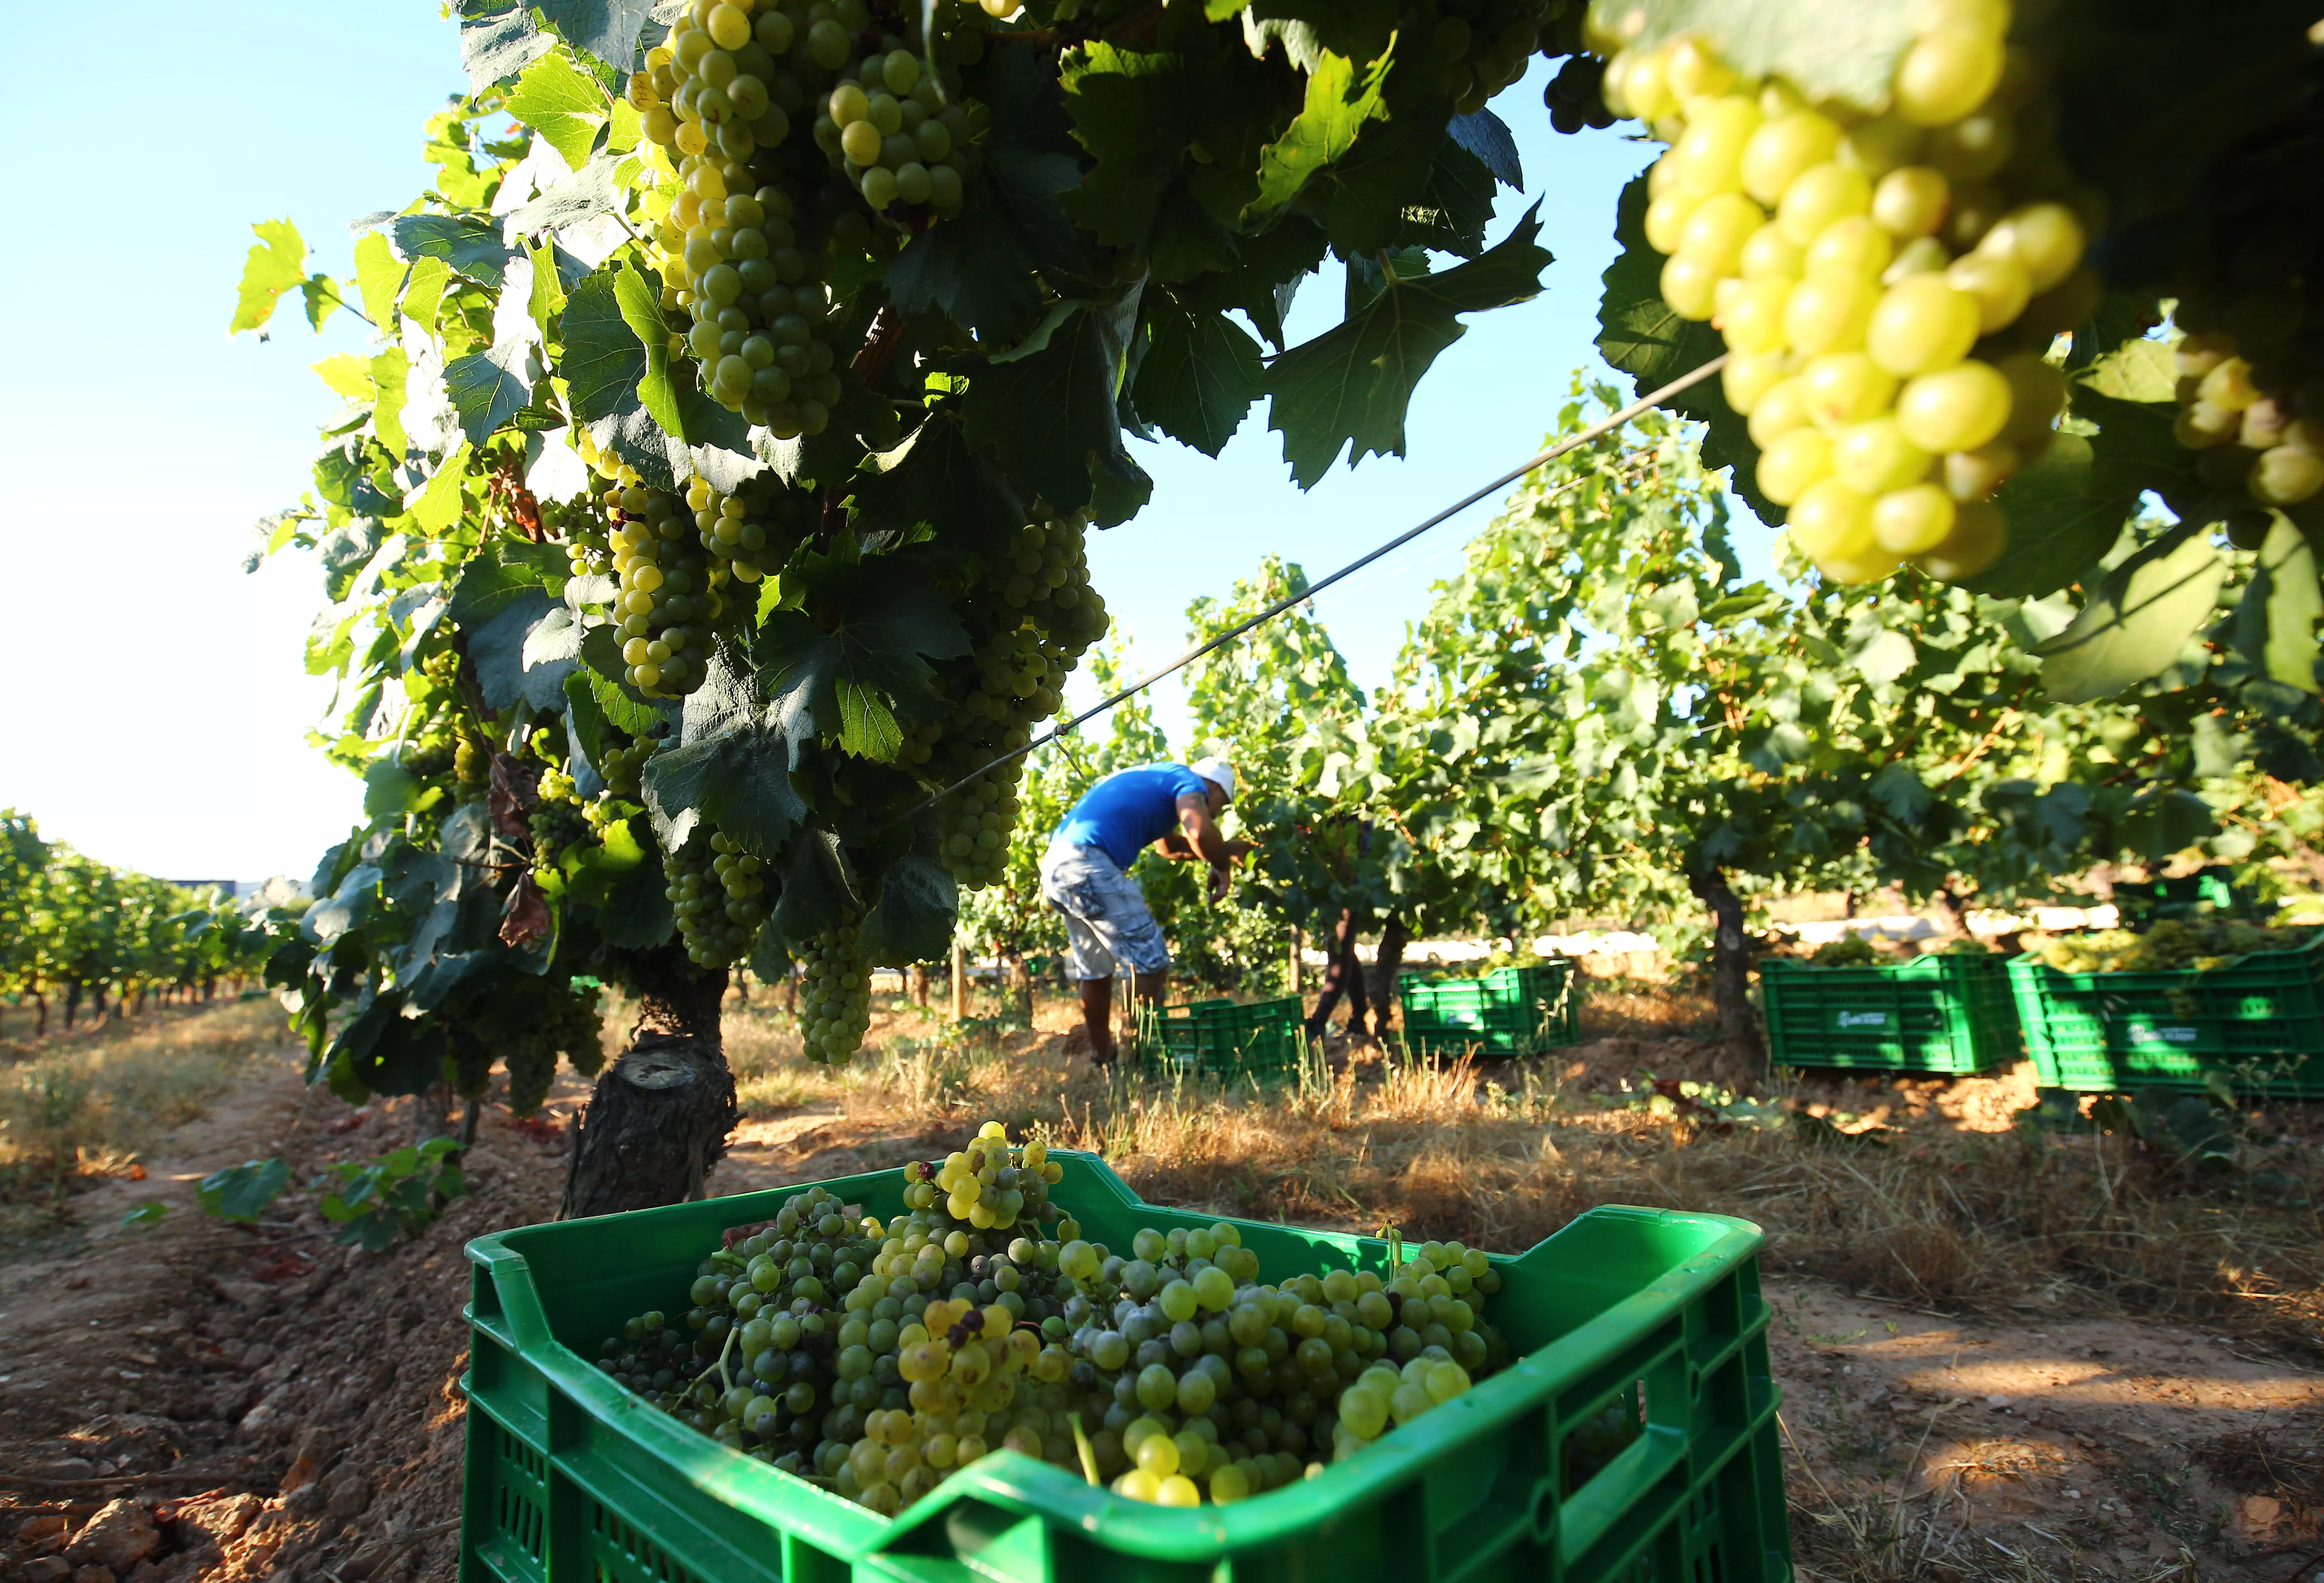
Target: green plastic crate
572	1479
1222	1039
2257	1024
1939	1013
1509	1012
2206	893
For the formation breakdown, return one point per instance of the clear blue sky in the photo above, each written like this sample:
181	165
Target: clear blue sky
159	705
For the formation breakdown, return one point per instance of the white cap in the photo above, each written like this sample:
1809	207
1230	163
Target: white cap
1218	772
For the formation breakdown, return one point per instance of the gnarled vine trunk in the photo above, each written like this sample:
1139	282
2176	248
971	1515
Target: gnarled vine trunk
1730	964
1344	975
659	1118
1394	937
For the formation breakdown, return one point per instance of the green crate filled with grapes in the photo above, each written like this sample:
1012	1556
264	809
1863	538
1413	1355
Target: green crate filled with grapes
936	1356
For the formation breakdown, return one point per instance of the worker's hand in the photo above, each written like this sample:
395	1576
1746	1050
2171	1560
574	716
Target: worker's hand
1222	877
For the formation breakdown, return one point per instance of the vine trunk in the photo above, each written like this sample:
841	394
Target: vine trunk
657	1120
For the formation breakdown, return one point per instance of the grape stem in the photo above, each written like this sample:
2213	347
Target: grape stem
1088	1455
1596	431
725	1382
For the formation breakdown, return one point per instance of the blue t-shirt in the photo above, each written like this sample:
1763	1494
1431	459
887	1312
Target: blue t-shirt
1131	808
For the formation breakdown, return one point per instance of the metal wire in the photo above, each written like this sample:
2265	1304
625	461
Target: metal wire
1596	431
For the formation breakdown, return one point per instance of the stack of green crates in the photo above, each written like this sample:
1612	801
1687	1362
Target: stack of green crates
572	1479
1509	1012
2256	1024
1222	1039
1944	1013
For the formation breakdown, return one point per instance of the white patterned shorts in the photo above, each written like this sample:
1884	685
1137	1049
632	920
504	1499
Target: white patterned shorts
1107	920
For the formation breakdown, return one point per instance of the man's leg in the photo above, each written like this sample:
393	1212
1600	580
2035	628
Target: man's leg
1097	1017
1148	988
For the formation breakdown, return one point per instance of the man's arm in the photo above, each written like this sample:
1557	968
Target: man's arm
1199	837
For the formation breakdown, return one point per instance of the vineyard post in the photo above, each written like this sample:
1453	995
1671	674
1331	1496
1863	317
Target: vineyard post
959	981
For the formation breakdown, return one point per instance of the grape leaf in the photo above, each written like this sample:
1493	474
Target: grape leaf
1140	116
322	295
277	263
242	1193
2065	512
563	103
640	299
349	374
2223	74
819	886
2274	624
1342	100
606	29
1844	49
1487	136
912	918
488	388
525	651
593	190
1639	334
390	372
2137	621
467	247
1051	416
934	477
1200	374
731	763
973	269
440	503
423	292
872	624
603	361
2138	370
498	44
379	279
1350	386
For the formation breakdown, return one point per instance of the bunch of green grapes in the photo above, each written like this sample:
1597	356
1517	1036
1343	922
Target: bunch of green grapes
989	1185
1482	46
572	1025
557	821
738	105
2251	298
1038	615
752	1363
899	137
427	756
1888	287
1245	1383
836	1008
750	538
1575	97
669	591
873	1359
624	772
472	764
718	891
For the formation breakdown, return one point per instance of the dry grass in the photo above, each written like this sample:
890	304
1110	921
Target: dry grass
82	1109
1933	1212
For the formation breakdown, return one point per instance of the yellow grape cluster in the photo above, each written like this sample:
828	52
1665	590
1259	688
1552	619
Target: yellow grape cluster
1038	615
2250	301
903	146
988	1185
729	102
624	770
720	900
836	1006
1888	286
750	539
668	593
2266	441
